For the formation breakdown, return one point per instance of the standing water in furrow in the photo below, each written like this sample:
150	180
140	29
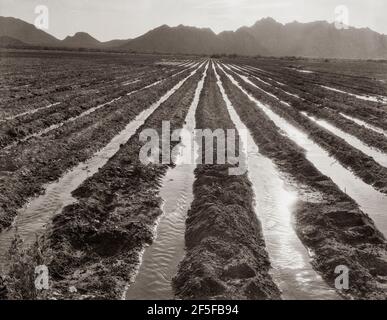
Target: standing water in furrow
381	99
160	260
33	217
248	72
89	111
292	270
240	69
193	65
379	156
371	201
60	124
246	79
365	124
29	112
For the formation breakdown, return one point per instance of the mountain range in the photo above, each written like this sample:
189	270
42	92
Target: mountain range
266	37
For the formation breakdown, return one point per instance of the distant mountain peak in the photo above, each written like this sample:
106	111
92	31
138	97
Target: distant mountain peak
81	40
25	32
164	26
81	35
318	39
267	20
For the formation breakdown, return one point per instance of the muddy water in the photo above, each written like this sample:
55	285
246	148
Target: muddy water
369	200
33	217
161	259
379	156
365	124
290	260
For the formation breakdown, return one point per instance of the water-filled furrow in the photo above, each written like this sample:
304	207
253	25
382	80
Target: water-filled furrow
60	124
376	154
246	79
83	114
32	218
304	71
371	201
274	199
30	112
256	69
130	82
193	65
251	69
161	259
240	69
361	97
269	84
185	64
365	124
181	63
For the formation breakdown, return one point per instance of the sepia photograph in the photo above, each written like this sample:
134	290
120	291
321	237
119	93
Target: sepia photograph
221	151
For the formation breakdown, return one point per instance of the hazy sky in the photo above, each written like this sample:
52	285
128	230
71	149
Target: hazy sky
124	19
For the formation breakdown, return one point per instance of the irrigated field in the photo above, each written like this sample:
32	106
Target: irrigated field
312	201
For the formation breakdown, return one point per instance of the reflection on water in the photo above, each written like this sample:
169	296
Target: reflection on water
371	201
366	98
378	155
241	69
89	111
365	124
160	261
277	82
33	217
292	270
30	112
60	124
246	79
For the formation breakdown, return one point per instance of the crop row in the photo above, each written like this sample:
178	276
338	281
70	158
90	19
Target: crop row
323	109
225	250
29	124
333	227
364	166
80	84
28	166
96	243
369	111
